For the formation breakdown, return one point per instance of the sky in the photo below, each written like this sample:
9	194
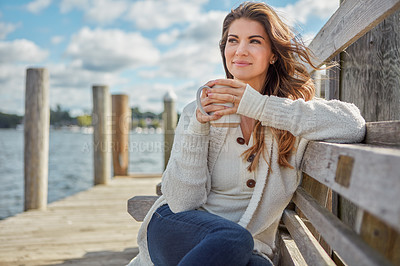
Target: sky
142	48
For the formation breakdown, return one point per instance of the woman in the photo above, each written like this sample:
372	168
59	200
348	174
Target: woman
224	189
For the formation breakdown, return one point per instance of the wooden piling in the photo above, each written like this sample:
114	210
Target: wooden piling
36	138
121	121
101	120
169	119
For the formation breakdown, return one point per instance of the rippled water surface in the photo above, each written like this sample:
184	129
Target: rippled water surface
70	164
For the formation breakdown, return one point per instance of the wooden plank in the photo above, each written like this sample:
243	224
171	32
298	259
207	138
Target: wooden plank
91	233
374	179
371	72
338	235
332	91
323	196
158	189
351	21
381	237
290	254
309	247
383	133
139	206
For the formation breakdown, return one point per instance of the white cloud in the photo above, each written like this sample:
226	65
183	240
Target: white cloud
21	50
7	28
71	86
97	11
168	38
161	14
196	55
111	50
37	6
302	10
12	88
73	77
57	39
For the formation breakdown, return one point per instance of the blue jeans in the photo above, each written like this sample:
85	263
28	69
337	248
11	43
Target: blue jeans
199	238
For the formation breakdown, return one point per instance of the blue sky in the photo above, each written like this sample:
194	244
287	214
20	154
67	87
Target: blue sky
142	48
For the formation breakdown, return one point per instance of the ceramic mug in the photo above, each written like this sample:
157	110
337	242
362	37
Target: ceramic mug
231	120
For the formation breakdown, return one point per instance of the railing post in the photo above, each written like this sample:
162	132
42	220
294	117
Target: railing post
169	120
121	116
101	134
36	138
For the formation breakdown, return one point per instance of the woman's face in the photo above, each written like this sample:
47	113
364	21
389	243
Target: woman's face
248	52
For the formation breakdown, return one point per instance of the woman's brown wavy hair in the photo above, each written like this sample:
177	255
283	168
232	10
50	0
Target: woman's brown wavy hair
287	77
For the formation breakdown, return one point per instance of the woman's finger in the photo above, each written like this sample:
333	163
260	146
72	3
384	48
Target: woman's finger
224	98
229	82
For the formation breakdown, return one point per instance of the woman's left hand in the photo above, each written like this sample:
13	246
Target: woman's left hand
232	92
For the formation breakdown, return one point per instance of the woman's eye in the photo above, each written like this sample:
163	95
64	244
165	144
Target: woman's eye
232	40
255	41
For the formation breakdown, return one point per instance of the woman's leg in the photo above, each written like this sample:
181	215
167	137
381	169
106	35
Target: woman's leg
197	238
258	260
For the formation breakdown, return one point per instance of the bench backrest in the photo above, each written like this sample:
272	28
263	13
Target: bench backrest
367	175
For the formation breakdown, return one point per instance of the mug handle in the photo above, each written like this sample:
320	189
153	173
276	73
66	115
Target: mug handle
198	99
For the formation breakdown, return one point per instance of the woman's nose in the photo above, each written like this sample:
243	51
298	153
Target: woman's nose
242	49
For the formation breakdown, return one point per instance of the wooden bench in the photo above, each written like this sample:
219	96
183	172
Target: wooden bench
366	174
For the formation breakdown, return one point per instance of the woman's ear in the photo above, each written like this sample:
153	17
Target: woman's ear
273	59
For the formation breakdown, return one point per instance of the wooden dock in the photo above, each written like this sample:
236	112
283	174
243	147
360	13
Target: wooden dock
92	227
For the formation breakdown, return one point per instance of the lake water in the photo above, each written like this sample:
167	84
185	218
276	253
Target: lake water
70	164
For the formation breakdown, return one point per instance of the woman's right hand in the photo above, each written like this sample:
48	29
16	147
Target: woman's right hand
208	107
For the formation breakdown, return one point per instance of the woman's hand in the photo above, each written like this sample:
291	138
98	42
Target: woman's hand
232	92
208	107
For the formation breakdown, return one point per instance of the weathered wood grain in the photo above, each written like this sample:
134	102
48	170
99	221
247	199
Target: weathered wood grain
139	206
339	236
351	21
121	126
309	247
371	72
289	252
90	228
374	181
101	119
383	133
170	120
36	138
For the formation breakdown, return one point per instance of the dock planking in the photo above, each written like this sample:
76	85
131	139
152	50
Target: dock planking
92	227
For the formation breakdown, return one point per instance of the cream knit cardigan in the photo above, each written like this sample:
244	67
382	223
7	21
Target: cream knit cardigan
186	180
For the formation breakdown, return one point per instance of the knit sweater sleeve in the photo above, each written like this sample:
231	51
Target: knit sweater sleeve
317	119
185	178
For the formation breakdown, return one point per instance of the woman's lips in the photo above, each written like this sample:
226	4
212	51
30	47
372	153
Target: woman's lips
241	63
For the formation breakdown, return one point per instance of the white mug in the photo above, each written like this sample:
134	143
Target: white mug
231	120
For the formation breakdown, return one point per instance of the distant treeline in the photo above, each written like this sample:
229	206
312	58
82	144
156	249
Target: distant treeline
61	117
9	120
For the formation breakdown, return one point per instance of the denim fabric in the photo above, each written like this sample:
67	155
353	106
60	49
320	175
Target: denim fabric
195	237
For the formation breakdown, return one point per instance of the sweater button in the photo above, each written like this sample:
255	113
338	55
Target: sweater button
251	183
240	140
251	158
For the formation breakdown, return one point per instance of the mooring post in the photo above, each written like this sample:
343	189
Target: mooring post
36	138
101	120
169	119
121	124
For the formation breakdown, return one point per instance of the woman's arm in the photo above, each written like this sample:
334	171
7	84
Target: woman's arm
317	119
185	178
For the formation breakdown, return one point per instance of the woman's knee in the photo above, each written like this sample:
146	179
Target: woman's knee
237	238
